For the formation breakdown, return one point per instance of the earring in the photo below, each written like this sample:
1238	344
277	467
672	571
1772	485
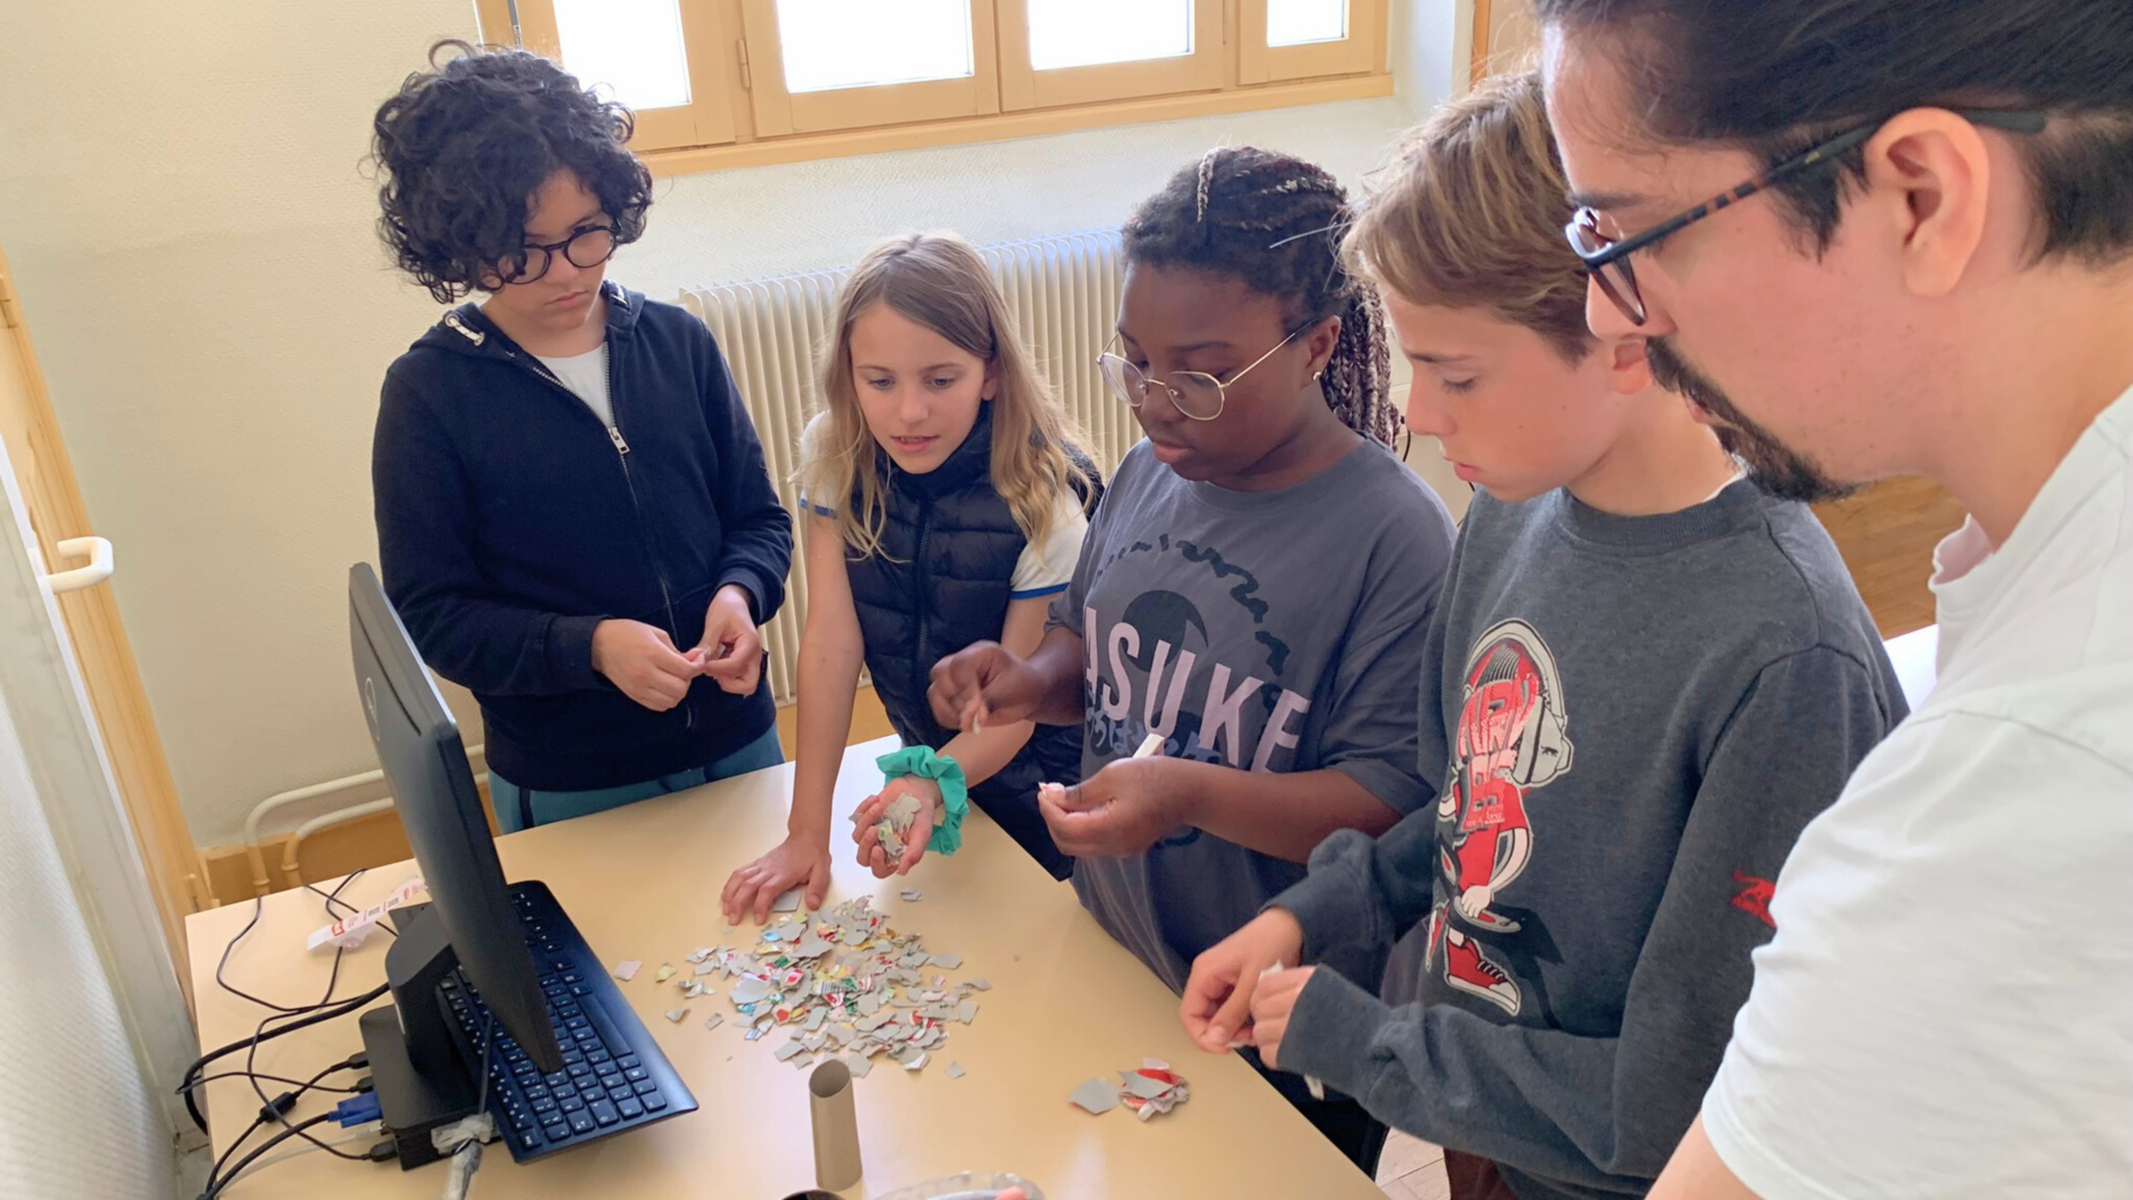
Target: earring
1317	375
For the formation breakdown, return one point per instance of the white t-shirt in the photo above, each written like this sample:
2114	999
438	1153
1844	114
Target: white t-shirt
1947	1008
586	374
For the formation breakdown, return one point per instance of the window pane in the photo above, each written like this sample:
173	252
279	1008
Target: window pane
1294	22
1082	33
632	46
860	43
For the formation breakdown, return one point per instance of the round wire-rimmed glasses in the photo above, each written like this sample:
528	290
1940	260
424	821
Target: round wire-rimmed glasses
1196	394
586	247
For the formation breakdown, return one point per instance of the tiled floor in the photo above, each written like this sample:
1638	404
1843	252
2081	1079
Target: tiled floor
1412	1169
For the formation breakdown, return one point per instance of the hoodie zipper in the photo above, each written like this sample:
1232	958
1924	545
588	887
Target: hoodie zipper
622	455
629	480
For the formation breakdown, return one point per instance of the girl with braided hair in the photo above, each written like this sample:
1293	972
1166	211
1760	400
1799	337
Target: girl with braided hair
1253	593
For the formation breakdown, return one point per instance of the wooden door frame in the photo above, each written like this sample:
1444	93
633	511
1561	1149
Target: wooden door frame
107	671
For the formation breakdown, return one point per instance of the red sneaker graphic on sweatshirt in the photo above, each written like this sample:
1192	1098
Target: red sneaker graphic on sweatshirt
1469	970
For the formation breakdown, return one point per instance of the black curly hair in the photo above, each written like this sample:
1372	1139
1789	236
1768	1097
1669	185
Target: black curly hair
1275	222
464	146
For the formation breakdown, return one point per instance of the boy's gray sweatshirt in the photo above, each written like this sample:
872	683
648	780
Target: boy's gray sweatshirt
1633	719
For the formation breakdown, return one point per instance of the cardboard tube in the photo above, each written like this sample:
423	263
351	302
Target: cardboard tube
829	1102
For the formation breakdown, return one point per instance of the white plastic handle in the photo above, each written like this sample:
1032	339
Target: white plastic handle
99	568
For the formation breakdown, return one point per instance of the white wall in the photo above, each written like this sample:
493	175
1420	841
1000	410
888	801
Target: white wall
192	238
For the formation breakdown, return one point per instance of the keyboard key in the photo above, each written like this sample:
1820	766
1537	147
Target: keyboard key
630	1108
653	1102
629	1060
604	1112
581	1122
571	1103
644	1087
620	1092
636	1073
579	1070
608	1068
545	1104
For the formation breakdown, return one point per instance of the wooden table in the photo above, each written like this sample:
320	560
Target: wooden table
643	882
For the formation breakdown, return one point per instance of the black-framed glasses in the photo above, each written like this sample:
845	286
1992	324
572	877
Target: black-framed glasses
1607	257
1197	394
587	246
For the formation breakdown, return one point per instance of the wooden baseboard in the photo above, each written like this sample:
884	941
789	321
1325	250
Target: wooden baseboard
378	839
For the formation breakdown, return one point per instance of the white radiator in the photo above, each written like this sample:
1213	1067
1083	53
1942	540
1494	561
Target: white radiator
1063	292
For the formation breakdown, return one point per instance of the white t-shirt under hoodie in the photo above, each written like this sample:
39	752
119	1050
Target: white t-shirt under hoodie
1947	1008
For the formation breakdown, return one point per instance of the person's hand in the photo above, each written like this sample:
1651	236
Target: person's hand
798	861
1474	901
642	661
1217	1005
982	684
1272	1002
731	652
1123	809
871	856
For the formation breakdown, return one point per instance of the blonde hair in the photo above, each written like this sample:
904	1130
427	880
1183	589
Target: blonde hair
1469	213
938	280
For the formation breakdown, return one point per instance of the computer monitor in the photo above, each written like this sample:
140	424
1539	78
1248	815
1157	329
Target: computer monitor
469	921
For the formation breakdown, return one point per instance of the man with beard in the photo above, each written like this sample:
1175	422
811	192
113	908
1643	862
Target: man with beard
1899	234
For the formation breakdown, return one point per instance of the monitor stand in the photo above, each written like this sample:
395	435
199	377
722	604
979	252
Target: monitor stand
421	1079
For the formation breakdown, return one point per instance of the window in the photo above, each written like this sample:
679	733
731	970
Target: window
740	82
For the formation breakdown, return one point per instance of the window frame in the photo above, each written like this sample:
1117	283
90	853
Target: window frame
779	112
1360	51
741	115
708	118
1206	68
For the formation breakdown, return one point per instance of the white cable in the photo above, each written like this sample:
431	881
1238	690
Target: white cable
369	1132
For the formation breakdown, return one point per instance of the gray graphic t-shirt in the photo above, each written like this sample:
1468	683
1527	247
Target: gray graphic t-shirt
1264	631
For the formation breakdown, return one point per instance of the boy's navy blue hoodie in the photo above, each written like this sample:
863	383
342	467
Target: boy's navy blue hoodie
511	522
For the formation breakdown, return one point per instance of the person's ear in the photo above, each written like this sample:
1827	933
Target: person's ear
991	390
1629	369
1321	343
1929	179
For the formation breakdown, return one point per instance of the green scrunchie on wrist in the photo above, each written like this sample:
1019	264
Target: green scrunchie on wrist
925	763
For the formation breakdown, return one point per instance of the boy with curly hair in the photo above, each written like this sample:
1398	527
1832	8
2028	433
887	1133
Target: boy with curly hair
573	514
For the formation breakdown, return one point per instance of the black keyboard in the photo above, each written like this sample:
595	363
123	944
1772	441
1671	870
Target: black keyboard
614	1077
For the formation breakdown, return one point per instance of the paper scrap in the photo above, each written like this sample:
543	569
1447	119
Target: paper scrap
1097	1096
913	895
954	1070
1149	745
712	1021
949	961
351	931
859	1065
676	1014
627	969
704	967
786	901
666	972
789	1049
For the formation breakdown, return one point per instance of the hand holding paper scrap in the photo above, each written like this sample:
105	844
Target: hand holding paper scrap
844	982
895	826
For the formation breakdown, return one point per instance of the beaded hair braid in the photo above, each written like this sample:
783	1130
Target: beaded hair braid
1275	222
